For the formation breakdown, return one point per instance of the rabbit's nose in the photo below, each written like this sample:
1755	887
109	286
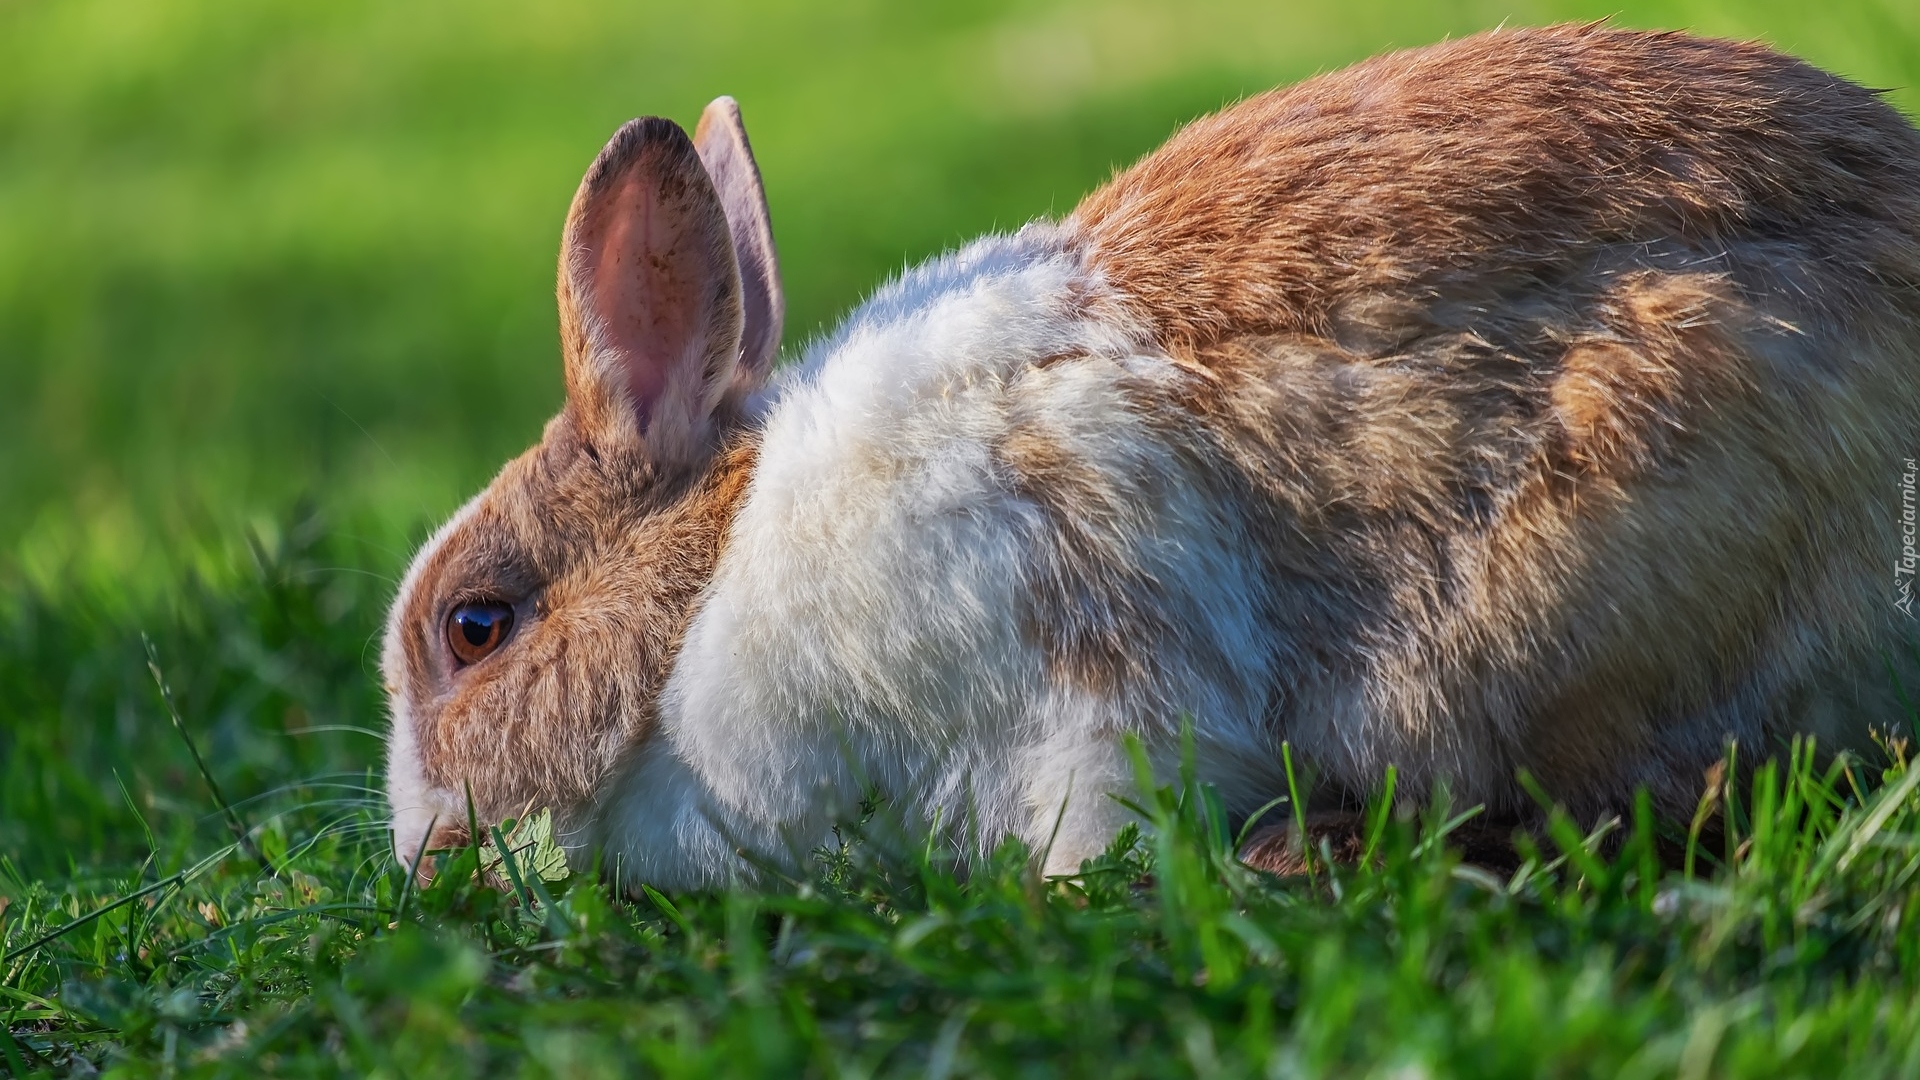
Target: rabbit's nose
443	836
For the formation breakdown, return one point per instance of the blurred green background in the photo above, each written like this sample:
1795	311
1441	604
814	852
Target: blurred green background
252	250
276	289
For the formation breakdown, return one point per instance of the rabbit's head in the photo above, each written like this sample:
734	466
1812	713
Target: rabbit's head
530	639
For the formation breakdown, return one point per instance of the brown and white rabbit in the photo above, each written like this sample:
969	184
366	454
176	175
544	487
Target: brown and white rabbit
1531	401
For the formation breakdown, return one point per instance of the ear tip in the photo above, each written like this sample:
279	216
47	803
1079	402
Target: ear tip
722	113
646	129
636	137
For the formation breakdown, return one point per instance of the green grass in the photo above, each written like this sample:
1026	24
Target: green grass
1793	949
275	294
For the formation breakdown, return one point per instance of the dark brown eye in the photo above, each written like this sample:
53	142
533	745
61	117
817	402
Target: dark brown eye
475	630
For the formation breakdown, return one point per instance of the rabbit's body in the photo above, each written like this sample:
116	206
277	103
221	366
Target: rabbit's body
1536	401
981	542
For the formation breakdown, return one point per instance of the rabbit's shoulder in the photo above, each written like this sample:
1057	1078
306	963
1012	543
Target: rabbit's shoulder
989	434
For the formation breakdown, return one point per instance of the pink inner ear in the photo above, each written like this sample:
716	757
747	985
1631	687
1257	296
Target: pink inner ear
642	287
649	277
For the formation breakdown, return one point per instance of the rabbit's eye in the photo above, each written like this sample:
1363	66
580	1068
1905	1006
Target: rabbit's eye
475	630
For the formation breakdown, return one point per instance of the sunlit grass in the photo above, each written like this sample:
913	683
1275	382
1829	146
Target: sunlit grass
1792	950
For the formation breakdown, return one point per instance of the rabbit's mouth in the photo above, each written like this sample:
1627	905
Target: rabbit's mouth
511	852
421	829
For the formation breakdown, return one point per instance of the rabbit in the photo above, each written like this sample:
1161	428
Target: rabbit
1534	401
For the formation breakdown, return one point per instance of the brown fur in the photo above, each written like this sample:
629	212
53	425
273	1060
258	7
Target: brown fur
1481	169
602	537
1092	610
605	559
1342	836
1561	371
1105	623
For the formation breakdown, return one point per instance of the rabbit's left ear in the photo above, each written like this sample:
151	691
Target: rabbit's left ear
650	305
721	140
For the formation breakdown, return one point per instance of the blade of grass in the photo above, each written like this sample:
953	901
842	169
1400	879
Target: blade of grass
1299	812
75	924
1246	828
1730	815
512	865
413	874
1059	818
1886	802
1702	813
1576	847
1644	843
666	908
473	830
153	846
1433	836
257	922
1377	828
557	925
16	1064
234	823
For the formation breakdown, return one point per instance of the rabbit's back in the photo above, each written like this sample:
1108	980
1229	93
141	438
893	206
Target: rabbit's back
1482	170
1564	378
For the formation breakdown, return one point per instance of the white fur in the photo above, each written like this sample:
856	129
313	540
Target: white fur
416	805
863	626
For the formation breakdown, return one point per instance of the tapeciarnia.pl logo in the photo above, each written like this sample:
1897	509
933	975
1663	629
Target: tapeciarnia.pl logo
1903	567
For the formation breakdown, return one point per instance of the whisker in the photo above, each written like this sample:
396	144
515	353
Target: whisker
369	861
289	789
318	728
342	827
304	573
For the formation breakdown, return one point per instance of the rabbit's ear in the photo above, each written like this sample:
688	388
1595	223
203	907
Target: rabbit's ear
721	140
649	295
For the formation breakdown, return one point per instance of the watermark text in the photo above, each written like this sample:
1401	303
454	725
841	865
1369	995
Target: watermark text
1904	566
